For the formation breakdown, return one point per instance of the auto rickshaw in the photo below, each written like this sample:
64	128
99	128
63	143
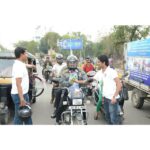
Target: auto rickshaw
7	59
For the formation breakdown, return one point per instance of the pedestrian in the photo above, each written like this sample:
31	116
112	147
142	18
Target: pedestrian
20	84
110	89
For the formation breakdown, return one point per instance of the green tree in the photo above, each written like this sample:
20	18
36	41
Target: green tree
2	48
113	44
49	41
31	46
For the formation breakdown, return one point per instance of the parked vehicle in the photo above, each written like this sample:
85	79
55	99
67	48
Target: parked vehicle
7	59
137	64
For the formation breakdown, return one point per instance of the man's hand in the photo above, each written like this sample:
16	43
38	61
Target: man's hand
113	100
23	102
30	66
75	80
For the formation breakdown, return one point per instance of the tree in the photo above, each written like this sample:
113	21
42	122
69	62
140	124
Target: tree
124	34
31	46
49	41
113	44
2	48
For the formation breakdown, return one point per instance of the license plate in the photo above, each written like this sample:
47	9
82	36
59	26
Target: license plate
76	107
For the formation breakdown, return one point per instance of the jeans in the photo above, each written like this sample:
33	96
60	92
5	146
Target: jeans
111	111
58	103
17	119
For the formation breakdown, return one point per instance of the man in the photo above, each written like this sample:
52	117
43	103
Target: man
88	66
71	77
20	84
46	64
56	71
110	89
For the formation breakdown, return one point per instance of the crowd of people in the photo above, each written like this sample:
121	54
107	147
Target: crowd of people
72	77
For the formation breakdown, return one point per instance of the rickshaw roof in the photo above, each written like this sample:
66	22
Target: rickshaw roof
11	55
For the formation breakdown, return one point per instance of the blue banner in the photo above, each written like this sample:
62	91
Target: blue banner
139	48
138	61
73	44
140	77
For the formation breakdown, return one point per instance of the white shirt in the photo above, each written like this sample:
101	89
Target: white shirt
57	68
19	70
109	84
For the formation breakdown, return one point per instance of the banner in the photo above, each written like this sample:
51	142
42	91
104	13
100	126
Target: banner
71	44
138	61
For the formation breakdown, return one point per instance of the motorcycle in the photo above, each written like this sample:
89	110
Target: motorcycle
75	112
47	73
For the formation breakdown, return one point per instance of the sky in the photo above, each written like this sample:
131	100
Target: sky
19	19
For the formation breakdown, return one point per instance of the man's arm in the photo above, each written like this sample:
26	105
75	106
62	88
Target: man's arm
30	66
118	89
20	93
118	86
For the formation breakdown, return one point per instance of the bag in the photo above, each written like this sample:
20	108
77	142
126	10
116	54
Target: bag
124	93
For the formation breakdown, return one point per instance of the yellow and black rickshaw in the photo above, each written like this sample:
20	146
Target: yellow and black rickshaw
7	59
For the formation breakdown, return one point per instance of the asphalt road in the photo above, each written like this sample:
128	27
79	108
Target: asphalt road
42	111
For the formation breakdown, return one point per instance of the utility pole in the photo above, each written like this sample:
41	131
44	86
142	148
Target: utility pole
71	52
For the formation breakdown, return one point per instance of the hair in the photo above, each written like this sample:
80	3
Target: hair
19	51
104	58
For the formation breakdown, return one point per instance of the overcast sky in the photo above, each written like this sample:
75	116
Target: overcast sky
19	18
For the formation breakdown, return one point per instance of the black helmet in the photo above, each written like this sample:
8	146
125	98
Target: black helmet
59	58
24	111
72	62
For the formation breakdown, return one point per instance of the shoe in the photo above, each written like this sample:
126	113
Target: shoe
58	123
84	122
96	116
121	113
53	116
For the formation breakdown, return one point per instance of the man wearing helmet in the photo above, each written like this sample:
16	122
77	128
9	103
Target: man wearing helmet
88	66
56	71
71	77
46	63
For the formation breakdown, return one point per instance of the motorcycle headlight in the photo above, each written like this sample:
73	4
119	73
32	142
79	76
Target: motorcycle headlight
77	102
77	94
64	102
2	105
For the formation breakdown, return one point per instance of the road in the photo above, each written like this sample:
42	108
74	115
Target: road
42	111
